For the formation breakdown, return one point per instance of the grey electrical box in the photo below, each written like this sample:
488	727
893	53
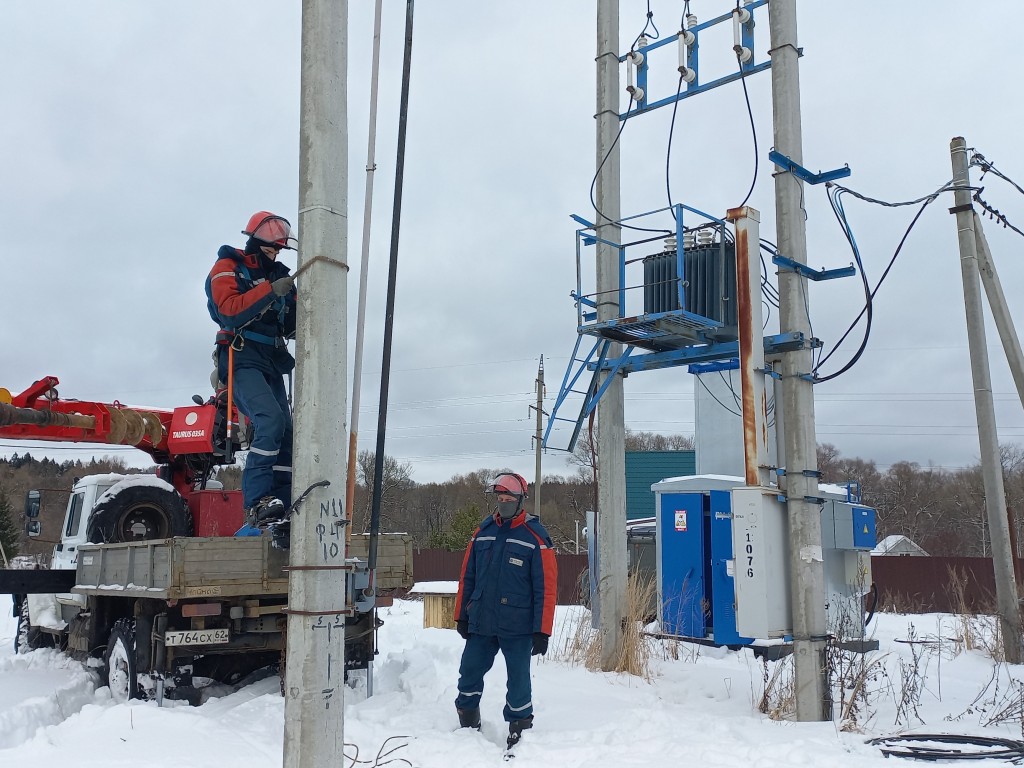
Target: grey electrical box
761	555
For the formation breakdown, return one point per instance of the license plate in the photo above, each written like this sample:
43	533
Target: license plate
197	637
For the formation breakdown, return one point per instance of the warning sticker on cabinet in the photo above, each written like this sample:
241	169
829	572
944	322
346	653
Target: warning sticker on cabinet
681	520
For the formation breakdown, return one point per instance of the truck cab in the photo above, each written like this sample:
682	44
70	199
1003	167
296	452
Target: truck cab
74	533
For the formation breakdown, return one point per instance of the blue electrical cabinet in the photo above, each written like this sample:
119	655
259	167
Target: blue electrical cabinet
695	558
680	532
695	584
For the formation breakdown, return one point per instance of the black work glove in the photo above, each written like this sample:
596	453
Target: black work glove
540	644
283	285
462	627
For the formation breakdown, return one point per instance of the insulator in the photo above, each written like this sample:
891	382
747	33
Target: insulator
687	74
637	59
742	53
705	237
670	243
691	21
637	94
688	240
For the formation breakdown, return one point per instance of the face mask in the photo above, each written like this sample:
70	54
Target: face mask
508	509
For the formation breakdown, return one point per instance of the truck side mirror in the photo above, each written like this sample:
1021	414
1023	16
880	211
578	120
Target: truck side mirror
32	505
33	528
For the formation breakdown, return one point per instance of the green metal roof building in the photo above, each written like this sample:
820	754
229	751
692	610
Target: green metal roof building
644	468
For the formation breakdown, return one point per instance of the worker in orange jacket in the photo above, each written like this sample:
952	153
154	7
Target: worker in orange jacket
506	601
251	295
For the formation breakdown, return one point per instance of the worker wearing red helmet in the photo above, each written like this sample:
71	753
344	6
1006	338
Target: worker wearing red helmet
506	602
252	297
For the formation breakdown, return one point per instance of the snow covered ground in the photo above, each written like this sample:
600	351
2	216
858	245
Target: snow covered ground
697	709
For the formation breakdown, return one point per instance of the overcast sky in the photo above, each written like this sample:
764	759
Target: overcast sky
138	137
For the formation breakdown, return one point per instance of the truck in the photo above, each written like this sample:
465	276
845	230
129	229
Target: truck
148	582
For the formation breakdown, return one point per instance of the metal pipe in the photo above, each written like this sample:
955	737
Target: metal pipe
389	315
751	344
364	267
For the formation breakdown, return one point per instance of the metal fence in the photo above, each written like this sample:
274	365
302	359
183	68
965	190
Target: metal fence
905	584
930	584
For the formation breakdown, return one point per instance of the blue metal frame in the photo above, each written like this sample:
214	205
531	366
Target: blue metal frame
812	274
803	174
645	105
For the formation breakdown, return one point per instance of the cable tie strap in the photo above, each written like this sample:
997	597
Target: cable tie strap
961	208
318	568
336	612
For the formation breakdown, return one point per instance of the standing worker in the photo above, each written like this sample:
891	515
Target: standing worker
252	297
506	602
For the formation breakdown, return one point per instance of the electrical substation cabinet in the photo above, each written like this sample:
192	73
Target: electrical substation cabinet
760	543
723	560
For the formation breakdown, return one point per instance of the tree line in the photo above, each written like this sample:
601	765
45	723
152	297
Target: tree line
943	511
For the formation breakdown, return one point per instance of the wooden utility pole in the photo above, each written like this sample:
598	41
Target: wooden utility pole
991	463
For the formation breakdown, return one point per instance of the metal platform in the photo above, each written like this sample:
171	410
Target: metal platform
657	332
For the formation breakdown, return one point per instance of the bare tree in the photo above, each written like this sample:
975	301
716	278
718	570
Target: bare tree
397	478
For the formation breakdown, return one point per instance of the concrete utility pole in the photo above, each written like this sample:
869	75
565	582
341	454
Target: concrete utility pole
315	661
539	437
611	437
1000	311
807	586
991	465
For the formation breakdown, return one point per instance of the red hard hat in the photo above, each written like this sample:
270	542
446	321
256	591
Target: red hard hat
510	483
271	229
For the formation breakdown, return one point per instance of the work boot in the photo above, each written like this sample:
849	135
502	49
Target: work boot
469	718
267	510
516	728
281	534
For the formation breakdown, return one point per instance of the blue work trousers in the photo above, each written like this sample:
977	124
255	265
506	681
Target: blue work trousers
477	660
268	468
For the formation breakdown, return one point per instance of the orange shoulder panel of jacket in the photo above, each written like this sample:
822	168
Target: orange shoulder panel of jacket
462	575
550	567
229	300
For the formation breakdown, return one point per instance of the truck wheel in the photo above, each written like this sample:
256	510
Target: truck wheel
119	659
140	513
28	638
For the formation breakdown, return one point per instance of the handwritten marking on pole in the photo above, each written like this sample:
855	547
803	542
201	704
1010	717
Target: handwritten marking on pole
329	536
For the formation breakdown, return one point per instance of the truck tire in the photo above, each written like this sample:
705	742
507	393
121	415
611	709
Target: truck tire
120	662
140	513
29	638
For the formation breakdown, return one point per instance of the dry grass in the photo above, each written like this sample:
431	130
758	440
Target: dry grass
582	644
778	693
976	630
